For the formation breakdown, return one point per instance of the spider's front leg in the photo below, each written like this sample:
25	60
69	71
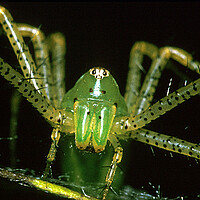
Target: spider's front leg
55	136
115	161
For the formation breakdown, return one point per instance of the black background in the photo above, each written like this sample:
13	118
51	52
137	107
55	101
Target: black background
102	34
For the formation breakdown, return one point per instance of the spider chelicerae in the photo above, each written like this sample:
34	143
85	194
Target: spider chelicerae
43	89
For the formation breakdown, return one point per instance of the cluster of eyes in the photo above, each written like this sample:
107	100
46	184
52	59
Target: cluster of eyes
99	73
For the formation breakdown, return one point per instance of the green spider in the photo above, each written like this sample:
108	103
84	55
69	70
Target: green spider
94	109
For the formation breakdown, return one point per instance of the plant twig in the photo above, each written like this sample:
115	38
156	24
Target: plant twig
42	185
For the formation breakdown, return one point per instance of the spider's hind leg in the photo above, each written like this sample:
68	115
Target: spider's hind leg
145	115
57	48
145	94
42	74
133	85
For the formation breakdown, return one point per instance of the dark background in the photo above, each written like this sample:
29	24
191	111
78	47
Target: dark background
102	34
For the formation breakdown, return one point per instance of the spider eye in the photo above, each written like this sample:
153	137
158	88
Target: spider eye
104	73
94	71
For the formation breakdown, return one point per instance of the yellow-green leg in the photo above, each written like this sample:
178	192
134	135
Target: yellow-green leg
42	74
159	59
167	103
52	76
158	64
20	49
57	48
55	136
165	142
52	79
29	85
49	112
133	85
124	124
115	161
41	54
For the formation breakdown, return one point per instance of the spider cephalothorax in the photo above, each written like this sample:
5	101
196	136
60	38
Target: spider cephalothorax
95	100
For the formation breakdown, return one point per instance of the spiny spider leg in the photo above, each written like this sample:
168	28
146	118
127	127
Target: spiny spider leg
116	160
159	60
124	124
21	51
51	114
143	100
166	142
56	117
167	103
32	95
57	47
133	94
52	80
44	79
42	74
41	50
55	136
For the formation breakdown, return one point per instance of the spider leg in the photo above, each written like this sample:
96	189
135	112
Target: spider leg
20	49
162	141
167	103
42	74
31	91
133	84
124	124
116	160
59	119
53	79
55	136
151	80
29	86
41	53
159	60
56	44
39	76
57	47
180	56
49	112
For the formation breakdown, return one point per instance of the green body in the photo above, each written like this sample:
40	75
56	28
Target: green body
95	100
